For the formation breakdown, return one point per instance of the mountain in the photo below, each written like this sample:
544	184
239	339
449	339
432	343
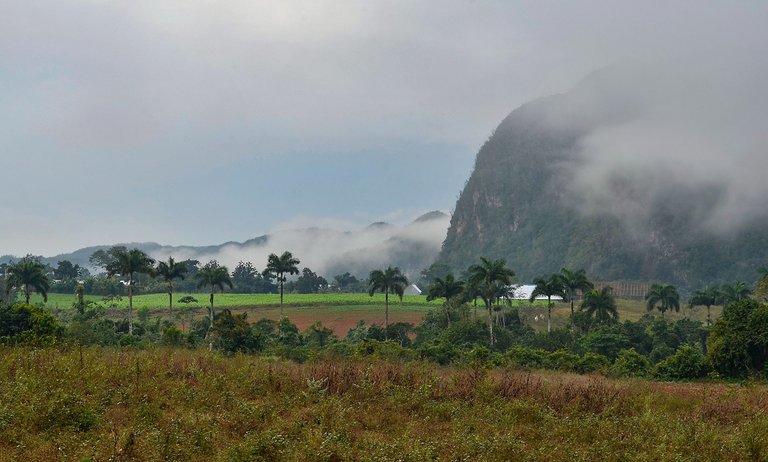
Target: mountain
328	252
548	191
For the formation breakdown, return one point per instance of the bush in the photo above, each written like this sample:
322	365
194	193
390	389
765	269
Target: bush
27	324
527	358
592	362
387	350
562	360
738	343
630	363
686	363
439	351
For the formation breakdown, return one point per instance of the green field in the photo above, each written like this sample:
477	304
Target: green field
228	300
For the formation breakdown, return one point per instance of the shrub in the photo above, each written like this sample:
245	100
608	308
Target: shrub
439	351
526	358
561	360
388	350
27	324
686	363
630	363
592	362
738	343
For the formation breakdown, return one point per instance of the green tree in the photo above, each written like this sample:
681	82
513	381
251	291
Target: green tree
447	288
662	297
600	304
28	274
485	276
573	283
215	276
548	286
738	343
66	270
390	280
128	263
169	271
279	267
736	292
707	296
309	282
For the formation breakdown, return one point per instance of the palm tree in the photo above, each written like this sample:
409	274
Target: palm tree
548	286
389	280
128	263
662	297
573	282
279	267
30	275
600	304
735	292
215	276
169	271
447	288
707	296
485	277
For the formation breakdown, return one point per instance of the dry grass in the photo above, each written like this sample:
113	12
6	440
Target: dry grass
191	405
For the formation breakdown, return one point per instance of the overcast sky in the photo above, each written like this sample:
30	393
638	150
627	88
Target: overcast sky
199	122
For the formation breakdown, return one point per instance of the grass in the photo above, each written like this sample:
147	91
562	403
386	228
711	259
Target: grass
229	300
151	405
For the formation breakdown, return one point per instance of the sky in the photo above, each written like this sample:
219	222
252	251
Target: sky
200	122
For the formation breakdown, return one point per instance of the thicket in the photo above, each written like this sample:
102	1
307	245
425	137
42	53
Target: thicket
736	345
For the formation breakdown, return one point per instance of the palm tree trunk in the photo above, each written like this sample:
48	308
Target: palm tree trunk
170	297
709	318
490	320
26	293
386	312
282	314
130	305
549	313
210	326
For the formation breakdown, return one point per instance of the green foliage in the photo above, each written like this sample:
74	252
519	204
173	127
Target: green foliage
687	363
738	343
28	275
606	341
383	350
233	333
27	324
630	363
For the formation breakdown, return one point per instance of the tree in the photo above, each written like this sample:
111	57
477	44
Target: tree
485	276
662	297
736	292
169	271
28	274
66	270
707	296
309	282
345	281
127	263
446	288
761	288
549	286
244	277
600	304
215	276
738	343
573	282
391	280
279	267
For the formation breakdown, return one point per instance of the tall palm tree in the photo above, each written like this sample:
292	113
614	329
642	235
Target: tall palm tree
30	275
707	296
129	263
391	280
573	282
735	292
279	267
485	276
215	276
447	288
662	297
549	286
169	271
600	304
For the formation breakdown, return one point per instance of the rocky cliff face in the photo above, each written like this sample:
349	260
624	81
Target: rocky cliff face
520	203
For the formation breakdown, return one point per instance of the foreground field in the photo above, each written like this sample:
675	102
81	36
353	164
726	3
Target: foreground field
188	405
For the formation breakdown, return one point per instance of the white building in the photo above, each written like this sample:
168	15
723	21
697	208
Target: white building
523	292
412	289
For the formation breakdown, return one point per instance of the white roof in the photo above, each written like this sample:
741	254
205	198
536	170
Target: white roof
412	289
523	292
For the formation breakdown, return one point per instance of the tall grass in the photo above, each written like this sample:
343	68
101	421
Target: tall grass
109	404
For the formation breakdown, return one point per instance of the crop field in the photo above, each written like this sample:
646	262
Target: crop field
342	311
157	404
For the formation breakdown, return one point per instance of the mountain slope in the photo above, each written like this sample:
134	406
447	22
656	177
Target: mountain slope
527	201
